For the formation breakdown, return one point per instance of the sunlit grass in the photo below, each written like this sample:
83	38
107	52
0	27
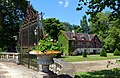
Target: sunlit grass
89	58
112	73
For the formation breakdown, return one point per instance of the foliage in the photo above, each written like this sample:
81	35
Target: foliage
46	44
103	53
100	25
12	12
116	52
112	41
1	50
63	43
84	24
69	27
95	6
107	30
52	26
85	53
77	29
111	73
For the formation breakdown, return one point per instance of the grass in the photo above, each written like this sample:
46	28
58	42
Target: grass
112	73
89	58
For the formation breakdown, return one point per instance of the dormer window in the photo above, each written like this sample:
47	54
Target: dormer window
83	38
74	37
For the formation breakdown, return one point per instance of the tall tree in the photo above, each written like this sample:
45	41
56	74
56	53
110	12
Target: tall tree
68	26
107	30
112	41
95	6
100	25
52	26
77	28
84	24
12	12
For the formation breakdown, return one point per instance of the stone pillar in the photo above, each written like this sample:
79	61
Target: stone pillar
39	67
2	56
16	59
13	56
7	56
55	68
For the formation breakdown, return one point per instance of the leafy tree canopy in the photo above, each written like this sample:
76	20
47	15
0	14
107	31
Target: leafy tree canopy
107	30
52	26
84	24
100	25
69	27
12	12
95	6
112	41
78	29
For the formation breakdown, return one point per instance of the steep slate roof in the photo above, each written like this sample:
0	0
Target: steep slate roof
79	36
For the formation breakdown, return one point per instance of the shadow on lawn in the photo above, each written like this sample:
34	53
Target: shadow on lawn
113	73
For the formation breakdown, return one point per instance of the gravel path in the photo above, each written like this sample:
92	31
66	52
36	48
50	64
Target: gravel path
87	66
11	70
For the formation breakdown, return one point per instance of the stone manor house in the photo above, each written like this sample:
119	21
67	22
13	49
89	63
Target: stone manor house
72	43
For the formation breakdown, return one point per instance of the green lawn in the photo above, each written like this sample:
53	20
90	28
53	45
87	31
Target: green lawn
89	58
113	73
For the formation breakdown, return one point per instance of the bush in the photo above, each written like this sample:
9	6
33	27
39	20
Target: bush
116	52
85	53
46	44
76	76
74	53
103	53
4	49
1	50
58	55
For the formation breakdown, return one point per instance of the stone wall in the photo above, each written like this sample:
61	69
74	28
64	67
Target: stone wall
89	50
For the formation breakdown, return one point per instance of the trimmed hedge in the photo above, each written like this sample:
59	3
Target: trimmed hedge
1	50
116	52
85	53
103	53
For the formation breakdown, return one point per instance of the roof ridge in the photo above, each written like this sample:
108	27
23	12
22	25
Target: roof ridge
69	35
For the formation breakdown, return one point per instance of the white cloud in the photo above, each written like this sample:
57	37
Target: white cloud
60	2
66	3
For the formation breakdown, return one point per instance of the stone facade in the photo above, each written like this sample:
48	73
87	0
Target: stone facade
75	41
89	50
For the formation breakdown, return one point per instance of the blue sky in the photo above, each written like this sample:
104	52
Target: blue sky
64	10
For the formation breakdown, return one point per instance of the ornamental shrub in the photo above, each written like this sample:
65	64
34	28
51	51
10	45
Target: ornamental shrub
85	53
116	52
103	53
